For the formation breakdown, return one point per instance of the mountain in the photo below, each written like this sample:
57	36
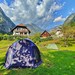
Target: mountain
5	23
70	20
69	24
33	28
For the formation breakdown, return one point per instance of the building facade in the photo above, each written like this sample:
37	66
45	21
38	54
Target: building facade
21	30
59	33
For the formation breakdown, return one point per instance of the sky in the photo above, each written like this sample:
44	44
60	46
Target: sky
46	14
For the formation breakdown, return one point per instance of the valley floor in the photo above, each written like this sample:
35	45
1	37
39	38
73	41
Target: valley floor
55	62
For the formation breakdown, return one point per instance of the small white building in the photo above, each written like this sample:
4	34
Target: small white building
59	33
21	30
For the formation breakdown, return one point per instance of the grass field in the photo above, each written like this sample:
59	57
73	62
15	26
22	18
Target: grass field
55	62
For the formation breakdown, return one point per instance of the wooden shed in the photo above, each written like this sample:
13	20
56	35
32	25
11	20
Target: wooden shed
45	34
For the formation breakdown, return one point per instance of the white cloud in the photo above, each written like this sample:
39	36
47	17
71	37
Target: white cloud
40	10
59	19
13	18
55	7
28	11
71	11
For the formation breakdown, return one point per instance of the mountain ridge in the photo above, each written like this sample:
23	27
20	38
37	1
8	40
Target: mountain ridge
33	28
5	23
70	20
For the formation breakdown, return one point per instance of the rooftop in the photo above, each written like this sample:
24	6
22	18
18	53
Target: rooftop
21	25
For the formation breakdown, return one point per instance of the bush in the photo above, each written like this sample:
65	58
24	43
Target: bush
19	37
10	37
5	37
1	37
45	39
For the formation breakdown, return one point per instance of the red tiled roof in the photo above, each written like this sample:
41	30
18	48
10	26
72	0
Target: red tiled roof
21	25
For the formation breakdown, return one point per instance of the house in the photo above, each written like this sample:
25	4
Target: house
59	33
21	30
45	34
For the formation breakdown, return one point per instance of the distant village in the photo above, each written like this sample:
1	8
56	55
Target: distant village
22	30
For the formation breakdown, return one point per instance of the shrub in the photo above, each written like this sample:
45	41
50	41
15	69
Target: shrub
10	37
5	37
45	39
1	37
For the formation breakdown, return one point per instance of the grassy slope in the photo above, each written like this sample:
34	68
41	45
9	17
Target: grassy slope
54	62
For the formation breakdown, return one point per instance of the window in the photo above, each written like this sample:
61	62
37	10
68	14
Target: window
21	32
25	33
17	33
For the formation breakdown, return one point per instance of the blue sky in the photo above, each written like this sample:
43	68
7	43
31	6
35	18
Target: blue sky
8	1
44	13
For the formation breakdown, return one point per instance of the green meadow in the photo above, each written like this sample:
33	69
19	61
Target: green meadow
55	62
